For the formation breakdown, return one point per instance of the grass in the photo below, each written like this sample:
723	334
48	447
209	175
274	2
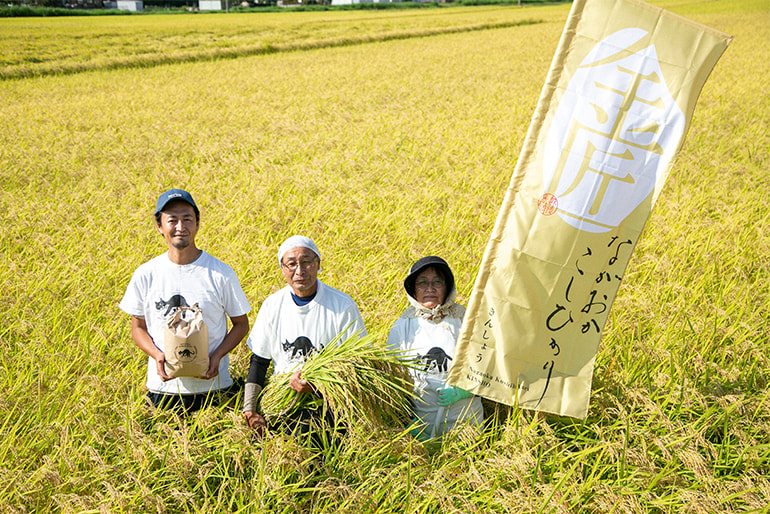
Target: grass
381	152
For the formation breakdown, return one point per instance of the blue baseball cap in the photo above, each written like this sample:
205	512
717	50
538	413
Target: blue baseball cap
174	194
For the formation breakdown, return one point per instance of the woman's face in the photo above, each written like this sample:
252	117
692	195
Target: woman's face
430	288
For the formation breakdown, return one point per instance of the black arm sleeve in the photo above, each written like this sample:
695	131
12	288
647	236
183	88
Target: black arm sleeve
257	370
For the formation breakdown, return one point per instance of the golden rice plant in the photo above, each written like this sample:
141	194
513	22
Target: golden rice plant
357	380
49	46
382	153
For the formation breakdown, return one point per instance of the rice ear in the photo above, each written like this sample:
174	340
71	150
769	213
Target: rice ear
359	380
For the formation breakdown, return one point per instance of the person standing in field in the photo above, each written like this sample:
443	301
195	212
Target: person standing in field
182	277
427	331
302	318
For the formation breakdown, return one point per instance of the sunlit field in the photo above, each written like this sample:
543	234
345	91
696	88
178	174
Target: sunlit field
43	46
383	150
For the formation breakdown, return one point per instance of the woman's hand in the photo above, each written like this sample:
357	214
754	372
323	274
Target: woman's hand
452	394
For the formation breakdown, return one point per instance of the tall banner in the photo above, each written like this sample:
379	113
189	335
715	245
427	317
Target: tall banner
613	114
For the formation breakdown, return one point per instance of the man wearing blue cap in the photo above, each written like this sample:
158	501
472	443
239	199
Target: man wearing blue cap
180	278
294	322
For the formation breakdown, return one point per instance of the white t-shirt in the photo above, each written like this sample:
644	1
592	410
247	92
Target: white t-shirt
285	332
158	287
433	344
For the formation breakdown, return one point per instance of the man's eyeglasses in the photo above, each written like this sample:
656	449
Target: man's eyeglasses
304	264
424	284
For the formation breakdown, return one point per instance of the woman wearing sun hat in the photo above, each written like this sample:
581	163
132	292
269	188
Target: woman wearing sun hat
427	331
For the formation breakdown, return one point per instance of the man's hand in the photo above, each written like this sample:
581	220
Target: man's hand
256	421
300	385
213	367
160	361
142	338
232	338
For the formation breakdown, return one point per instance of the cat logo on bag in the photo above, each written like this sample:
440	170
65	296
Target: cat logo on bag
186	352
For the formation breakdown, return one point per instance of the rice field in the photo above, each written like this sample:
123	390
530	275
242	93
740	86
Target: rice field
46	46
384	136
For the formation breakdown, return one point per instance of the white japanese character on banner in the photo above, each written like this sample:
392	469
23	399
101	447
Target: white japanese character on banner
614	133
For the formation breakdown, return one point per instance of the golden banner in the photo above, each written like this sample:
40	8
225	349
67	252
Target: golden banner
611	118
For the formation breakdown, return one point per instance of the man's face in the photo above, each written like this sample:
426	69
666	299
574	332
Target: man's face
300	267
178	225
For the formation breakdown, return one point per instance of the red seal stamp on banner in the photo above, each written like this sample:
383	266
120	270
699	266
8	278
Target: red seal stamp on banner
548	204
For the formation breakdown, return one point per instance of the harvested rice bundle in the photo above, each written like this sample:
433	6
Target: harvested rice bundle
358	380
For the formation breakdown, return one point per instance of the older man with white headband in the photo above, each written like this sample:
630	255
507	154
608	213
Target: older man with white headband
294	322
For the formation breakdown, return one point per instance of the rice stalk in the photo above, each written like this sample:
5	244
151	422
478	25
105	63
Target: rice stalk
358	380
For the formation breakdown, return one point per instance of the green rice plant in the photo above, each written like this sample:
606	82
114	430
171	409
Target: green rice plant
358	380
